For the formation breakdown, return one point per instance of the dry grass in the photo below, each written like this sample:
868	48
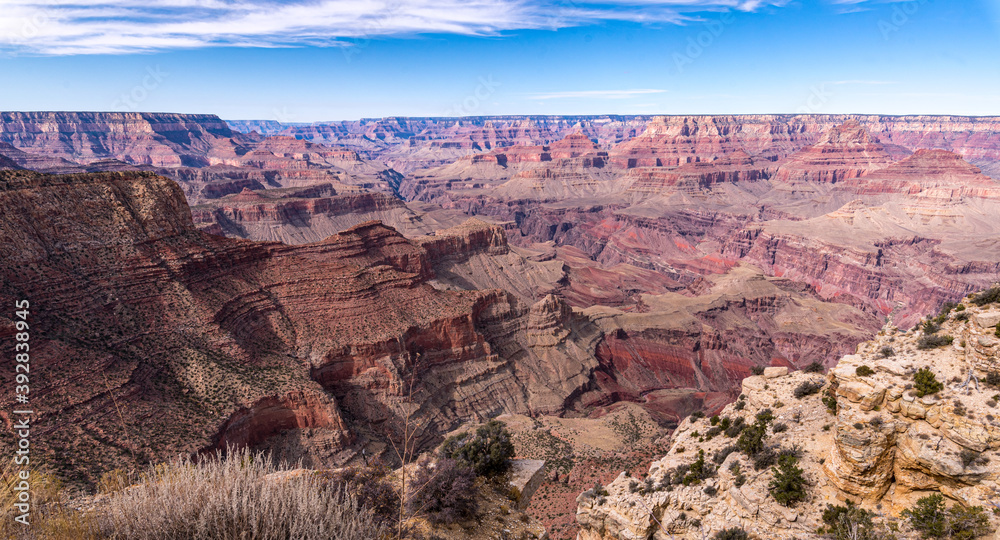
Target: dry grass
223	498
50	518
232	498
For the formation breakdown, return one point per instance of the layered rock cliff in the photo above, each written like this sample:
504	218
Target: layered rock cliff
199	151
862	433
152	338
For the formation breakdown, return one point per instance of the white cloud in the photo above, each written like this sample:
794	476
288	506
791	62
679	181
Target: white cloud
66	27
596	94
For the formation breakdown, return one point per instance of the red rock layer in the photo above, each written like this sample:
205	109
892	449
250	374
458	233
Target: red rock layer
249	206
845	152
734	168
269	416
936	173
134	306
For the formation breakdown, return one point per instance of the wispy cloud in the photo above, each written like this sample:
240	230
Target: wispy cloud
67	27
863	82
596	94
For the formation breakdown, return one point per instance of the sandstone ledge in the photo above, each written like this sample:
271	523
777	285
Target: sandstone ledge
885	447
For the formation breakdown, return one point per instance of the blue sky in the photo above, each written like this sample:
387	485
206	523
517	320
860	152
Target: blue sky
333	60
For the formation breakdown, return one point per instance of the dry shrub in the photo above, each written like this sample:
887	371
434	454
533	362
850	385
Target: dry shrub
230	498
49	517
445	491
113	481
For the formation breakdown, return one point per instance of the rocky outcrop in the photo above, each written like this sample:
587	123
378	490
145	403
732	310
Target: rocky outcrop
199	151
139	312
305	426
526	475
310	214
881	445
847	151
934	176
698	176
473	236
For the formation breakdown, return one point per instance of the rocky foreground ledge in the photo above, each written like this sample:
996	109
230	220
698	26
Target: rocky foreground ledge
862	433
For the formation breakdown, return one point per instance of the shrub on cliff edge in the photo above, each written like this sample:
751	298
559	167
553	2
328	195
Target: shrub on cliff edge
931	520
933	342
488	452
444	491
926	383
988	296
735	533
788	486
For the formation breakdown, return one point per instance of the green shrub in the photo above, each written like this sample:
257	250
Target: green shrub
864	371
814	367
714	420
807	388
488	453
831	403
445	492
788	486
928	517
933	341
989	296
849	523
967	523
735	533
699	470
779	427
930	327
751	440
886	351
736	427
757	370
926	383
697	415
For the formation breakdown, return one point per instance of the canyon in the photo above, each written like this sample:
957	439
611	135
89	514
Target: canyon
309	288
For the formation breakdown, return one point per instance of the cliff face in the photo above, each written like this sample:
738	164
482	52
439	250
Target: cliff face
158	139
847	151
836	207
414	143
200	340
883	447
201	152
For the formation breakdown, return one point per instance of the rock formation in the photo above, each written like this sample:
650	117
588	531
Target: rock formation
238	328
863	435
844	152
